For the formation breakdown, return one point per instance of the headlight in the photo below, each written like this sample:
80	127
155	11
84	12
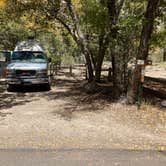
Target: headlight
9	72
42	72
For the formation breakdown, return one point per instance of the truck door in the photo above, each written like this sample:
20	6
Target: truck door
4	59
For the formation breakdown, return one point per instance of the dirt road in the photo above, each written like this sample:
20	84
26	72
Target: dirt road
83	157
67	117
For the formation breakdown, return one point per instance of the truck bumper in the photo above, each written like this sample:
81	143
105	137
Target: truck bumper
27	81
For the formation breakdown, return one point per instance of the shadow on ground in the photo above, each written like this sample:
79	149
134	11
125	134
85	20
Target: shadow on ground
8	100
19	96
66	89
70	89
2	114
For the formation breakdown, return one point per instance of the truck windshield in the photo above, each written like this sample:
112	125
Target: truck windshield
31	56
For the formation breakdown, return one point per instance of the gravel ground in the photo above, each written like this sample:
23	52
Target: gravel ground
67	117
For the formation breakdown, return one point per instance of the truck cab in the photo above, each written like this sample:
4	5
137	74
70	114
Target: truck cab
27	66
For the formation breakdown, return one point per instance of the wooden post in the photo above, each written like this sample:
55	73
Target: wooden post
86	73
70	70
109	74
164	55
140	89
56	69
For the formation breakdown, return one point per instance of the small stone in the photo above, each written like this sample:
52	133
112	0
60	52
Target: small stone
91	87
163	103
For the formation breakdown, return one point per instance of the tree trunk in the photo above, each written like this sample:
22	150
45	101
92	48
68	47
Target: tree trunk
99	67
103	45
114	11
79	37
89	67
117	75
143	47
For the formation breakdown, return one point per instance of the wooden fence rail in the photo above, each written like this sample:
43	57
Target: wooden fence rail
155	86
158	80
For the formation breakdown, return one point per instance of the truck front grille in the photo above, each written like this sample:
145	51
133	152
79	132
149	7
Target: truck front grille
25	72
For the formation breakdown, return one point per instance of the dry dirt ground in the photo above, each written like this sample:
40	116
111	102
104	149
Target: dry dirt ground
67	117
156	71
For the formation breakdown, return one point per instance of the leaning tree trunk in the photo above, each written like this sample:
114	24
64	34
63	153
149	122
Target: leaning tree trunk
103	45
143	49
78	36
98	68
88	65
82	41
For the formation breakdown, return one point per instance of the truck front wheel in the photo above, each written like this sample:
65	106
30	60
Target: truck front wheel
10	88
47	87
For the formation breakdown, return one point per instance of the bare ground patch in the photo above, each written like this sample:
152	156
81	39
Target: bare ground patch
67	117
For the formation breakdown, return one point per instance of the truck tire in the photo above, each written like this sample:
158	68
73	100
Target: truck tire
47	87
10	88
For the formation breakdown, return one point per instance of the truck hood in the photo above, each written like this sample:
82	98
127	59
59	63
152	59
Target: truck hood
26	66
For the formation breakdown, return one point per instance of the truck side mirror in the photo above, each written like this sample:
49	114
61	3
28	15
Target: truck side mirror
5	56
2	58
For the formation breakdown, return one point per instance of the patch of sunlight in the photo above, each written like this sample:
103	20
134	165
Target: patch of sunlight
2	3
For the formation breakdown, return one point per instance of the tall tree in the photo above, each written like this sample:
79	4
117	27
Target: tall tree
78	35
114	8
147	29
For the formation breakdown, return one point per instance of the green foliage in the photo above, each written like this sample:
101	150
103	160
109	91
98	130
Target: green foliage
20	19
10	34
94	15
67	60
159	38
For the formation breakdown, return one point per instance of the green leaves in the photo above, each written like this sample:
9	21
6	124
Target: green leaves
94	15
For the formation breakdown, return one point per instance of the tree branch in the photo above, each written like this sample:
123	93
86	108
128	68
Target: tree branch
68	29
119	8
